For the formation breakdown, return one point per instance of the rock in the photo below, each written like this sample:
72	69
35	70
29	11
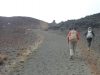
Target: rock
1	61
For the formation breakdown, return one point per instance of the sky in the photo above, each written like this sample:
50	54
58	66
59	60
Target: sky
49	10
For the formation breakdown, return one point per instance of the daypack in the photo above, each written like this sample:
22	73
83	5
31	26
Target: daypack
73	37
89	34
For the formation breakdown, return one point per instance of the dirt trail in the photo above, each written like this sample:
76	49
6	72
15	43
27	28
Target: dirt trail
52	58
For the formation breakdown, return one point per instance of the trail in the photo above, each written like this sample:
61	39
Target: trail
52	58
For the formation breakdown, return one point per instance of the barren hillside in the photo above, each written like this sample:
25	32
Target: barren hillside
13	29
16	35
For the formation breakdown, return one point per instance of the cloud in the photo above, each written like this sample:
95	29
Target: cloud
49	10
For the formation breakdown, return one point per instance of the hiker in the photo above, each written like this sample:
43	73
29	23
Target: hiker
72	37
62	29
89	35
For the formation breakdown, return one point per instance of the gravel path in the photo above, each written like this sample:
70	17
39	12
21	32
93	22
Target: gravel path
52	58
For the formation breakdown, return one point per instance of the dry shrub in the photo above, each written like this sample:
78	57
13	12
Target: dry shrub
20	52
14	64
22	60
28	52
4	56
23	47
1	61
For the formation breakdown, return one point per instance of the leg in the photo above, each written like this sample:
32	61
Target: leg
74	47
71	49
89	42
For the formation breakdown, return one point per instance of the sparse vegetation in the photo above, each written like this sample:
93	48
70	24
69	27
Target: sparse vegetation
20	52
1	61
3	56
14	42
22	60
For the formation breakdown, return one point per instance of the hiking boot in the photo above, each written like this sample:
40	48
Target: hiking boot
88	49
71	57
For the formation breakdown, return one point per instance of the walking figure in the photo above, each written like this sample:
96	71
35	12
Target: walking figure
72	37
89	35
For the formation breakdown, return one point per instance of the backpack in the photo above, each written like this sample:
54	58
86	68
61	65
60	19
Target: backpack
89	34
73	37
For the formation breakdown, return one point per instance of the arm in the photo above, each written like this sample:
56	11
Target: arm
78	36
85	33
93	33
68	36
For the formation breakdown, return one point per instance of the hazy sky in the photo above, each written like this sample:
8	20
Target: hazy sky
49	10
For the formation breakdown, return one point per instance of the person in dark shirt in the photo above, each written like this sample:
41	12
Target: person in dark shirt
89	35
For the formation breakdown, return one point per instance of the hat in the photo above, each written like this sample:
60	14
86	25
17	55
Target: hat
89	28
